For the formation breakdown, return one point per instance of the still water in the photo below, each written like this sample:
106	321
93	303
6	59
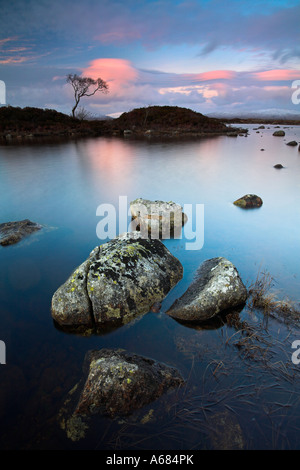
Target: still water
239	393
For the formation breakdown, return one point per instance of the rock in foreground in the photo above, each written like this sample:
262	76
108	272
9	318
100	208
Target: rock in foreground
121	279
157	219
248	201
118	383
13	232
217	287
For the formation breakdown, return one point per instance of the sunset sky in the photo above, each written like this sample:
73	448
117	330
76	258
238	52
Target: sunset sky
212	56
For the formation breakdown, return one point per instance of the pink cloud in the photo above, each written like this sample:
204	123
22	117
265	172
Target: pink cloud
277	74
5	40
130	87
13	60
118	36
215	75
118	73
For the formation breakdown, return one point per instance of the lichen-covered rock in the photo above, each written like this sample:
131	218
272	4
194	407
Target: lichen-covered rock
121	279
118	383
157	219
279	133
217	287
13	232
70	303
248	201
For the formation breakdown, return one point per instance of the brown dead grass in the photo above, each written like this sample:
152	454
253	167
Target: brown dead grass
261	297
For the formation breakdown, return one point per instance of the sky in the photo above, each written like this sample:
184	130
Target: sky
212	56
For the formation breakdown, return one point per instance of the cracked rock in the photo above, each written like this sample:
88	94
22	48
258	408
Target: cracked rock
120	280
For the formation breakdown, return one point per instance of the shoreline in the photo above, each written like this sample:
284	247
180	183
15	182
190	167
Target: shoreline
14	136
33	125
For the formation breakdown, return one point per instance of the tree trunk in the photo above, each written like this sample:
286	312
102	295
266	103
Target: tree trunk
74	108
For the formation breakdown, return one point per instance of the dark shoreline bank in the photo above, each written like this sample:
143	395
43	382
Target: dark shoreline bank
54	135
34	125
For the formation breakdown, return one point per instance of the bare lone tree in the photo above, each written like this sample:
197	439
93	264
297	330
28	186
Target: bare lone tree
85	86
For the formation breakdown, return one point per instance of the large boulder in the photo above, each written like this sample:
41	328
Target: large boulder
117	383
248	201
13	232
157	219
121	279
217	287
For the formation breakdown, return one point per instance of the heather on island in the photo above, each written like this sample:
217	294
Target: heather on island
19	124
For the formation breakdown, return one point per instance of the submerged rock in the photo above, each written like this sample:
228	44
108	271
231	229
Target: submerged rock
279	133
118	383
13	232
225	431
157	219
249	201
217	287
121	279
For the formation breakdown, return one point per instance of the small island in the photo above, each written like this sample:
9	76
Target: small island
19	125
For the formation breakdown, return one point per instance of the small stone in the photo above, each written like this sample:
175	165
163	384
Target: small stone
249	201
292	143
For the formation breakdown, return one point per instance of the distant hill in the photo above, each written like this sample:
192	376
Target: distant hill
264	115
167	118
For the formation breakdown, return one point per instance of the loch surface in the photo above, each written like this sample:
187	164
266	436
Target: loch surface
242	391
